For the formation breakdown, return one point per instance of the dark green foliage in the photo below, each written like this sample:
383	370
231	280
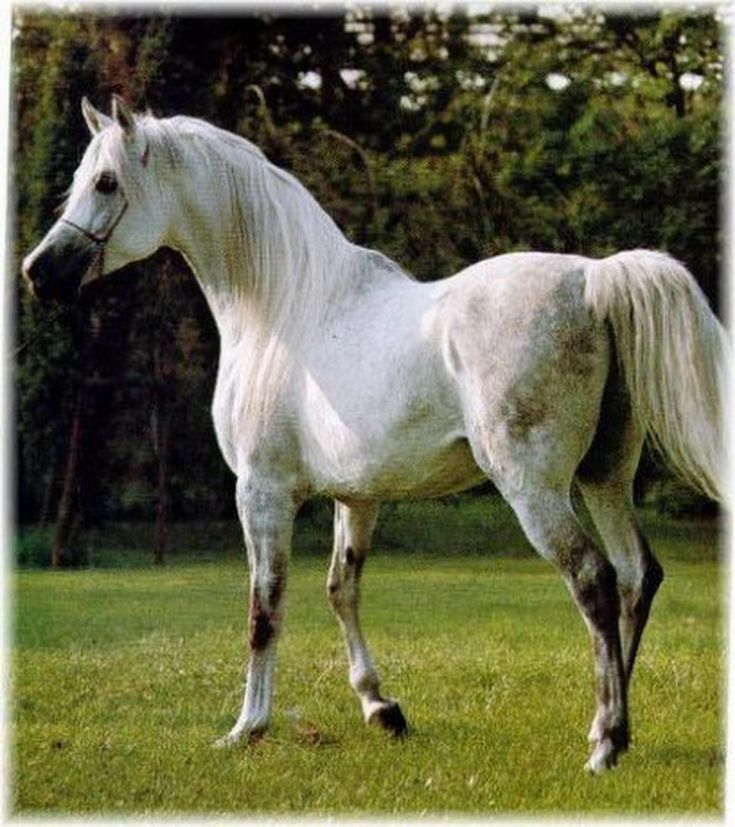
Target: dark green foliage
434	138
33	548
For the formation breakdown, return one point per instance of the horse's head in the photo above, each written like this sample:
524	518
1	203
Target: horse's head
116	211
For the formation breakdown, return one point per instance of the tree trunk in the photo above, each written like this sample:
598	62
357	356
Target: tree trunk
163	427
87	326
164	380
47	500
62	554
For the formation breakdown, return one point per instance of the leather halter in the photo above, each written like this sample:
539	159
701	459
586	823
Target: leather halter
102	239
99	239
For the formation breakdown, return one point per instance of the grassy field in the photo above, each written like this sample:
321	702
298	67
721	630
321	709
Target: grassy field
124	677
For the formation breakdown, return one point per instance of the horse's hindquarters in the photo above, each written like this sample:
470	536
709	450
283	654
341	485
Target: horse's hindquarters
530	364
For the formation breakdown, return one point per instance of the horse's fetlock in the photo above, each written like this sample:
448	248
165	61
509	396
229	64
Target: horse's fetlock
364	681
388	717
620	736
604	757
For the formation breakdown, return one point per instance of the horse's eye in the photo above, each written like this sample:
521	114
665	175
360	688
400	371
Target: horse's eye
106	183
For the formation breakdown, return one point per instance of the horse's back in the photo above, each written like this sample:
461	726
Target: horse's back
518	308
523	268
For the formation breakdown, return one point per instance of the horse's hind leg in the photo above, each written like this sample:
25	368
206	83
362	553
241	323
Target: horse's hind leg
605	478
353	530
548	519
639	574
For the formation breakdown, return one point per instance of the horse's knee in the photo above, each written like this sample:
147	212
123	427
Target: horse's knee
335	592
344	577
354	562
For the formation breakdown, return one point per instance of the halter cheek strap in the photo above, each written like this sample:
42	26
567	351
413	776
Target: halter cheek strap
100	239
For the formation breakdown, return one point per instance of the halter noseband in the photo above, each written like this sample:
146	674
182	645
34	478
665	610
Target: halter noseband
99	239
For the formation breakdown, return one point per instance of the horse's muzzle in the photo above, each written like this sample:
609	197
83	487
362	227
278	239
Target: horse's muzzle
56	268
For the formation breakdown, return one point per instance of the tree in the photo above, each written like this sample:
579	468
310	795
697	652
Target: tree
439	138
48	403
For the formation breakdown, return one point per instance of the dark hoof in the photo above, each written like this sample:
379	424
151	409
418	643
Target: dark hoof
390	718
256	736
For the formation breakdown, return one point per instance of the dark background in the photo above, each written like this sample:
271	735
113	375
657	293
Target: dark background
439	139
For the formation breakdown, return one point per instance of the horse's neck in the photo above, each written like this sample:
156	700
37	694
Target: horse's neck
237	313
238	308
274	273
224	303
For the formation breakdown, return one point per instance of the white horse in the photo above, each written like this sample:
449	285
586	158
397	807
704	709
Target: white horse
341	376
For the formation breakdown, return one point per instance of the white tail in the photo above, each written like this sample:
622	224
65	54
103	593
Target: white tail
673	353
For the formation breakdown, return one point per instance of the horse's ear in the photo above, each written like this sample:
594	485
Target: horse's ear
95	120
123	115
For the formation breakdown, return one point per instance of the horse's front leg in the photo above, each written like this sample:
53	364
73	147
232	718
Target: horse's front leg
267	514
353	530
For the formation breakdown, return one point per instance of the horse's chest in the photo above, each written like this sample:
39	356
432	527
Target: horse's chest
223	404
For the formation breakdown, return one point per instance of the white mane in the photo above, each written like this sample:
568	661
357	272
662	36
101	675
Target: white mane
281	260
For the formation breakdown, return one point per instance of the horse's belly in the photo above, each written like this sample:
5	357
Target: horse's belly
445	472
412	472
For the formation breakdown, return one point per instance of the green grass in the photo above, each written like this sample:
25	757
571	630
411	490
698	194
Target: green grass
123	678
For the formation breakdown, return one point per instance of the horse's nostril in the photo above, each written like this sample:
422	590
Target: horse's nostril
33	272
55	268
38	273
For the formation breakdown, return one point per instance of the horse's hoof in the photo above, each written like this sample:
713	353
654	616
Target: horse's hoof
604	757
390	718
225	742
232	739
